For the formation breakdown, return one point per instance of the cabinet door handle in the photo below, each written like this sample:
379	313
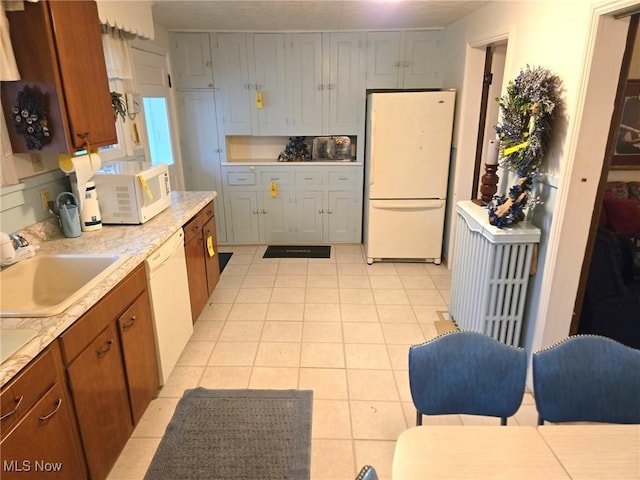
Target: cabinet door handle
321	87
104	350
132	320
321	210
15	409
331	86
248	86
329	211
264	211
308	178
256	212
55	410
397	64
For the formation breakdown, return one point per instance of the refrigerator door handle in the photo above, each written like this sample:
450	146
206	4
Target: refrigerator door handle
372	163
412	205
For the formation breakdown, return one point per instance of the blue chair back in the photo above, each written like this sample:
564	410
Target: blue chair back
467	373
587	378
367	473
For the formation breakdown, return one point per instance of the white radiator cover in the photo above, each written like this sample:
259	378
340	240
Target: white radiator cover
490	274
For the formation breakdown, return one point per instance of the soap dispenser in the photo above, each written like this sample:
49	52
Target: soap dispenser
90	218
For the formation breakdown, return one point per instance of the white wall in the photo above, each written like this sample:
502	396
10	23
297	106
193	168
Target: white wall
557	36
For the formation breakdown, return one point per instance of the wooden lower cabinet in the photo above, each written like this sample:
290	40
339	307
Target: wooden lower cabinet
201	250
99	390
39	433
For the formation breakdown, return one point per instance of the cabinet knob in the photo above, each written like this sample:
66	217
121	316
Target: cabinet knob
321	210
55	410
321	87
256	212
17	401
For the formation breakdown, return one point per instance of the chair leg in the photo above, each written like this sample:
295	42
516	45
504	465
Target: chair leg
503	421
418	418
540	420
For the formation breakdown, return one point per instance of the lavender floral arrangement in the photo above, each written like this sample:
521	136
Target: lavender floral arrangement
527	115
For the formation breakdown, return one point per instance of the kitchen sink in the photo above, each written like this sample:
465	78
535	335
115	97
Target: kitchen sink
13	340
46	285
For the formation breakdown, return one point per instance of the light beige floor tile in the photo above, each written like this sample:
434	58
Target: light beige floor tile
134	459
235	269
385	281
253	295
359	332
375	420
429	331
289	281
292	269
195	354
428	313
402	382
326	383
480	420
331	419
322	268
390	296
411	269
323	355
181	379
363	356
258	281
354	281
359	296
527	415
156	417
352	269
322	295
442	282
226	377
224	295
347	248
402	333
206	331
332	460
242	331
274	378
359	313
299	261
239	258
433	269
239	250
288	295
417	282
263	266
399	356
396	314
285	311
322	261
278	354
248	311
446	295
377	453
372	385
322	332
322	281
425	297
378	268
230	281
285	331
350	258
237	354
321	312
215	311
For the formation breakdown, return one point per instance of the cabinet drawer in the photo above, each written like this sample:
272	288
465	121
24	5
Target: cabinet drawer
23	392
308	178
342	178
89	326
278	177
193	228
241	178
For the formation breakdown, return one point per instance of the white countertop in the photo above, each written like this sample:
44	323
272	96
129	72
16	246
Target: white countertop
137	241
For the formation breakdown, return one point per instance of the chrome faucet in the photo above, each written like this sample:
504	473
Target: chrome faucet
14	248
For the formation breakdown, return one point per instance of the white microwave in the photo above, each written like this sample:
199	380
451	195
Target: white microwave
132	196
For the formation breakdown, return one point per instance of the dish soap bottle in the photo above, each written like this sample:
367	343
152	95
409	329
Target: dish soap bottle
90	218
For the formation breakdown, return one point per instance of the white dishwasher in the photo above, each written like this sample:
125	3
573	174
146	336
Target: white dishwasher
169	294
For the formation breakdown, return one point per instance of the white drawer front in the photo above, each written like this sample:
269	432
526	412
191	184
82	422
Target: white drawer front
342	178
241	178
279	177
308	178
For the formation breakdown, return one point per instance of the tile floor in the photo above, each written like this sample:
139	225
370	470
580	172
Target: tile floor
337	326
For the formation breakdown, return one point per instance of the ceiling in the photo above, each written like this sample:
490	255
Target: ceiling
309	15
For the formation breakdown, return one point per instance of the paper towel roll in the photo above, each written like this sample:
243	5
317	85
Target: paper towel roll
84	167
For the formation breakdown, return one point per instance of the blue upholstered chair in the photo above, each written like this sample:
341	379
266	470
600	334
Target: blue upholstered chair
466	373
587	378
367	473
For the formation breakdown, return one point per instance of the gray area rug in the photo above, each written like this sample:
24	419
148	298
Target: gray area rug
237	435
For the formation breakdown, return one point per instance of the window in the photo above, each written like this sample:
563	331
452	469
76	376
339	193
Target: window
159	135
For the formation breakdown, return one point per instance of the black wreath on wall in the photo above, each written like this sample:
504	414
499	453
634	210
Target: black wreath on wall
30	118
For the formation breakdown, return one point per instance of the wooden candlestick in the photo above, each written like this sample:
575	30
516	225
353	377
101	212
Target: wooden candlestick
489	183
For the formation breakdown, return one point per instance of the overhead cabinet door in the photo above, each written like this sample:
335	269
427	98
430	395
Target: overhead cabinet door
191	54
270	83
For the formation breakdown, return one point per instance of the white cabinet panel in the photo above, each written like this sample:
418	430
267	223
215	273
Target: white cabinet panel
243	215
236	85
422	60
191	57
304	80
276	216
344	214
309	215
383	59
271	82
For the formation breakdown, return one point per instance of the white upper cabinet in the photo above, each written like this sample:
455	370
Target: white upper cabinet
408	59
271	85
235	80
345	86
304	83
191	58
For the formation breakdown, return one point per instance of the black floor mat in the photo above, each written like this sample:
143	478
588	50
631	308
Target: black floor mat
297	251
223	259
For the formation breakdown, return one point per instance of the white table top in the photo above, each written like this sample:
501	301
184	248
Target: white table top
474	452
582	452
596	452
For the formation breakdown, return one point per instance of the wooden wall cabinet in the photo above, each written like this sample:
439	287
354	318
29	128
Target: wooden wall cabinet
39	433
201	250
58	49
111	365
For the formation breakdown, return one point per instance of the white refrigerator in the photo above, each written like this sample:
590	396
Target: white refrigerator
408	146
